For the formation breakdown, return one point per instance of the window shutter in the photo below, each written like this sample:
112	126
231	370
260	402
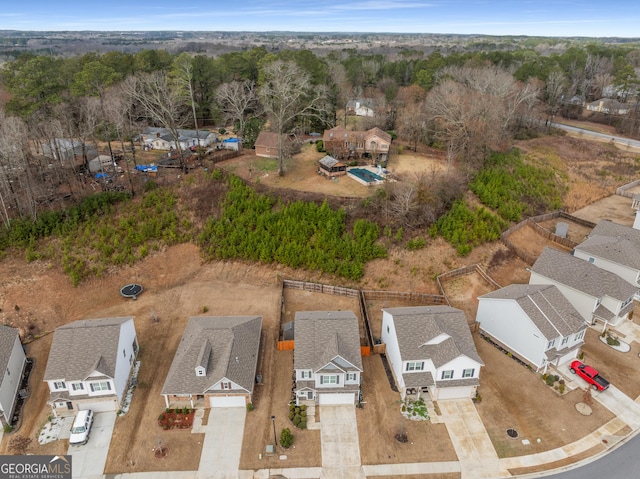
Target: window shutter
109	385
337	379
321	379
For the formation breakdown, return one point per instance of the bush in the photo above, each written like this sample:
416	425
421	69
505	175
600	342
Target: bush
550	380
286	438
320	146
416	243
250	407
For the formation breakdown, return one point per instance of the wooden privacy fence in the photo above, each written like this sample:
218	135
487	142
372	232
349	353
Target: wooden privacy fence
320	288
426	299
472	268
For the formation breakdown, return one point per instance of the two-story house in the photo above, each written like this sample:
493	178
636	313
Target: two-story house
343	144
536	323
431	351
90	363
615	248
597	294
326	359
215	364
12	362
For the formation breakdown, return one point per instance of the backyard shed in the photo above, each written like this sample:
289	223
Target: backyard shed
331	167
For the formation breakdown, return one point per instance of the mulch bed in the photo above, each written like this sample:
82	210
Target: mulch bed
176	419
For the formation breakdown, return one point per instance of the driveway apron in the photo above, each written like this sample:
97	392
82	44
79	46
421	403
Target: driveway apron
88	460
222	445
619	404
340	445
477	456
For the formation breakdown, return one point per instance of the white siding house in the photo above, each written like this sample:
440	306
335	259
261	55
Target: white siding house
597	294
534	322
162	138
615	248
12	361
327	360
90	363
430	350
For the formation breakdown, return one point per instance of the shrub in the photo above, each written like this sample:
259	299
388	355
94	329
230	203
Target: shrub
550	380
286	438
561	388
250	406
416	243
319	146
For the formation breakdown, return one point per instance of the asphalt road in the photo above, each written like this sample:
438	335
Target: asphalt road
597	135
621	463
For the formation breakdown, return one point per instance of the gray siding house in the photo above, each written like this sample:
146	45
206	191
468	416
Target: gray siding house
327	359
215	364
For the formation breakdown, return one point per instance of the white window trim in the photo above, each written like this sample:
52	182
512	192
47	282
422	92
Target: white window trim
465	372
446	373
415	366
59	385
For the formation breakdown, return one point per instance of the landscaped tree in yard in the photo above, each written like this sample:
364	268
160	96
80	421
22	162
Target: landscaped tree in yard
286	94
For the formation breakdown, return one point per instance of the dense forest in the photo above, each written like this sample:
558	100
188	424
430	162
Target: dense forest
471	104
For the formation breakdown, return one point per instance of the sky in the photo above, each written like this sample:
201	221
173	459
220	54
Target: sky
592	18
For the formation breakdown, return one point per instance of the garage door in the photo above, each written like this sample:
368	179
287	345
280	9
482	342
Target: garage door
328	399
228	401
98	406
455	393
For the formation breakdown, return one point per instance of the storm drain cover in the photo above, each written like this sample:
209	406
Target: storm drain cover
512	433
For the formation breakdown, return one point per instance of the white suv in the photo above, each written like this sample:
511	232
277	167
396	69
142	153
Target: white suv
81	427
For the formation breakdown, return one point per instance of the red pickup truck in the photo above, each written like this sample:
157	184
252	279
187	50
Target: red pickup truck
590	375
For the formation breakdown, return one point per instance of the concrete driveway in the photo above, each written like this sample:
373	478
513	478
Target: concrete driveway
89	459
340	445
477	456
222	445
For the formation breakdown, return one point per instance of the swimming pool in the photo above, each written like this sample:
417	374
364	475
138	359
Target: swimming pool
364	176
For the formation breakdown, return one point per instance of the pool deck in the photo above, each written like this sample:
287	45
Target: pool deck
371	169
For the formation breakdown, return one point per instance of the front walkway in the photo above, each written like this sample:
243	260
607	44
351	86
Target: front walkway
222	445
477	456
340	445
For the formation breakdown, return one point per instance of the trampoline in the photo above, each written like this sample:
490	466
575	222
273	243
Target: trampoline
131	291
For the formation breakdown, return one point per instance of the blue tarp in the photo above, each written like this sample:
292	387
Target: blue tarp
102	175
147	168
231	140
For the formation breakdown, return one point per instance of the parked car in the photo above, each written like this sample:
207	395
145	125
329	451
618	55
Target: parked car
81	427
590	375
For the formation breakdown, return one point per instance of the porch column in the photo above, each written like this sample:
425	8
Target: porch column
191	400
166	401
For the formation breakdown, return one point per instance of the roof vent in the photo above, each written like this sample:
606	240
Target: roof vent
237	360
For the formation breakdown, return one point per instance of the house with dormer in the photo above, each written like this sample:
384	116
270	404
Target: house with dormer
597	294
614	248
431	352
326	359
215	363
535	323
90	363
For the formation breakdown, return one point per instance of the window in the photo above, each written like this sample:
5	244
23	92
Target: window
626	303
415	366
329	379
468	373
564	341
225	385
447	374
592	260
124	354
551	343
101	386
387	328
309	394
77	387
305	374
580	335
352	376
59	385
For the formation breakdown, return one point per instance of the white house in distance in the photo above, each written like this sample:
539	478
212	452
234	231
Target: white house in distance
326	357
215	364
12	362
430	350
162	139
534	322
90	363
597	294
615	248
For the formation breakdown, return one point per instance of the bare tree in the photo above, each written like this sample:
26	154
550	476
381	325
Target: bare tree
183	77
286	94
161	101
555	88
239	101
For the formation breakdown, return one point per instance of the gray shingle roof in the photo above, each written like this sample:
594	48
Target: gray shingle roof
416	326
232	353
8	337
617	243
321	336
84	346
581	275
329	161
182	133
546	306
